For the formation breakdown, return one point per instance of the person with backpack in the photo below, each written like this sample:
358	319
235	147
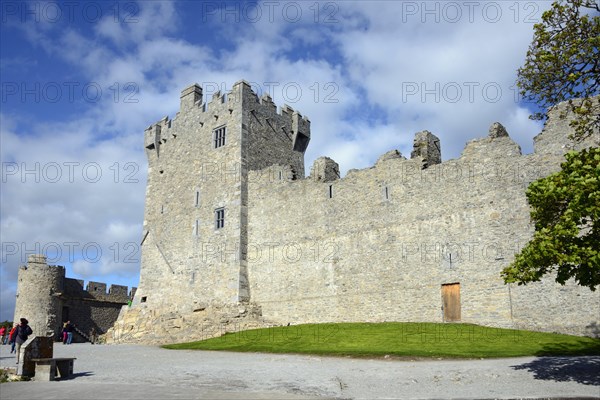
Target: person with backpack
21	335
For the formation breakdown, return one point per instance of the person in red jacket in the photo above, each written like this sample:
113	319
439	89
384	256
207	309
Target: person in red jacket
11	338
2	334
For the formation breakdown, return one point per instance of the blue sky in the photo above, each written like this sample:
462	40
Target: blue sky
81	80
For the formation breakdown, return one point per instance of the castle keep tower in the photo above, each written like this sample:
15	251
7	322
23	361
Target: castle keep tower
195	236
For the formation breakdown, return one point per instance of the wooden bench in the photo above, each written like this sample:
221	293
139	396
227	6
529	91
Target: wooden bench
47	369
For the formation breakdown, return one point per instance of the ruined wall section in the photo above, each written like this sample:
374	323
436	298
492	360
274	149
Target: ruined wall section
379	244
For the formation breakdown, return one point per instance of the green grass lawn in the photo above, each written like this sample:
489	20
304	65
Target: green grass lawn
400	340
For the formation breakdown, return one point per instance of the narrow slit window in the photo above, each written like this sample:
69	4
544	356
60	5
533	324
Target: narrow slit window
219	136
197	228
387	193
197	199
330	191
219	218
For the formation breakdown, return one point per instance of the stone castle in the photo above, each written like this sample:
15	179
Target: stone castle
236	237
47	298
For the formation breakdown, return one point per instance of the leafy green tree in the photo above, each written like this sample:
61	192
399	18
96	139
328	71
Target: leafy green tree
563	64
566	211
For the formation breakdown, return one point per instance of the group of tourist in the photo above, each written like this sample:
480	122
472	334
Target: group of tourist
67	332
16	336
20	333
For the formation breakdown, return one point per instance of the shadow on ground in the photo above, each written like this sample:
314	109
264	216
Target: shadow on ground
77	375
584	370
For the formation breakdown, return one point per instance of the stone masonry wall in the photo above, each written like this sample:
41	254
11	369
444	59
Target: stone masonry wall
379	244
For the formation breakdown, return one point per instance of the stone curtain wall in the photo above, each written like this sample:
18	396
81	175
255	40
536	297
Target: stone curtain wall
86	314
94	307
390	236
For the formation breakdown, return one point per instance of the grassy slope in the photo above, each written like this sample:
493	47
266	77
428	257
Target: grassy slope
399	339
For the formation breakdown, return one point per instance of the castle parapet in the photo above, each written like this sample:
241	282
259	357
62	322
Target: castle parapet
74	289
118	291
93	287
267	102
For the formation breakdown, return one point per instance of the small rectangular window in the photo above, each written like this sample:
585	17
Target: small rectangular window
219	218
219	136
197	201
144	299
197	228
330	191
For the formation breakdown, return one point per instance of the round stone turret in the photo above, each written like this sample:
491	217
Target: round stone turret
38	288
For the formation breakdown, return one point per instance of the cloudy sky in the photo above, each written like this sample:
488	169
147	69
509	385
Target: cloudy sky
81	80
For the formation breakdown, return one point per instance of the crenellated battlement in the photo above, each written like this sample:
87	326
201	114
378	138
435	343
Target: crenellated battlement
75	289
220	110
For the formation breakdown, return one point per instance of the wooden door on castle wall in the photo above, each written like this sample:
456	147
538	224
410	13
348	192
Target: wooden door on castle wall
451	301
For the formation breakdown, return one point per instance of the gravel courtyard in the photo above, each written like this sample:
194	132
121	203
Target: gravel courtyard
135	372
